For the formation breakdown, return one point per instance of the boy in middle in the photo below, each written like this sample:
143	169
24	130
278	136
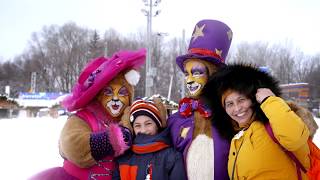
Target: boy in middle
152	155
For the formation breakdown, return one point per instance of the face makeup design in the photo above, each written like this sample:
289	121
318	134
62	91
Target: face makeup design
196	76
115	97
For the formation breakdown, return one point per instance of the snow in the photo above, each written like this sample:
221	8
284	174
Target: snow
30	145
316	138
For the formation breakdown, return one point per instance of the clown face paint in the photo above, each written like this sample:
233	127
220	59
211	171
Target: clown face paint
115	97
196	76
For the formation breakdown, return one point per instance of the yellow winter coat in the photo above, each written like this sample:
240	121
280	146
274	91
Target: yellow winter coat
259	157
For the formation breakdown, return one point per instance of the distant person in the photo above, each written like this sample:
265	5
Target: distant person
92	136
151	155
249	99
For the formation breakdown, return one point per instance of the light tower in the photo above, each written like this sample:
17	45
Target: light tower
149	73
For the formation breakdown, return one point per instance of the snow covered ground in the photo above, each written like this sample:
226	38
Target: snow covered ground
316	138
30	145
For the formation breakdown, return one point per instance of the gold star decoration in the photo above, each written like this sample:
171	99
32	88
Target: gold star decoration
218	52
229	33
184	132
198	32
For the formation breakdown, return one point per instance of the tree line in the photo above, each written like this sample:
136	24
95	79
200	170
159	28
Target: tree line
57	55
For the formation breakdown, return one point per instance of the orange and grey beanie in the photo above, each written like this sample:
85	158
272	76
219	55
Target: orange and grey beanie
147	108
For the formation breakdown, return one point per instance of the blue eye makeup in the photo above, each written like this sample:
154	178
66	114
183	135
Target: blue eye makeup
123	91
198	70
108	91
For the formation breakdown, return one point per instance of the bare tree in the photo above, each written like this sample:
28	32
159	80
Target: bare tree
242	53
168	69
136	41
58	54
113	41
62	53
96	46
304	66
282	63
313	78
176	49
256	53
11	74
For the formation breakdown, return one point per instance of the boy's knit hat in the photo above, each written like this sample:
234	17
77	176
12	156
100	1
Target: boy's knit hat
147	108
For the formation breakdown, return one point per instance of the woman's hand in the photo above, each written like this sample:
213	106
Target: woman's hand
263	93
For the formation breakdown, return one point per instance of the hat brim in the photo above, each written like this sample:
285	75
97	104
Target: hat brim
111	68
181	59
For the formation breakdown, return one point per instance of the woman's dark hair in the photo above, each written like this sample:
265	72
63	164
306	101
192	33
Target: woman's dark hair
245	79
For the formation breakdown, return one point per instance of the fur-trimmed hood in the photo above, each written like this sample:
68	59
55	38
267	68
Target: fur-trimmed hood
244	78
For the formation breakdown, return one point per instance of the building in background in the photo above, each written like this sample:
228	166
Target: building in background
8	107
297	92
171	106
40	104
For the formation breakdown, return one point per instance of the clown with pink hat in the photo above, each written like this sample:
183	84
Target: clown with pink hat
193	133
92	136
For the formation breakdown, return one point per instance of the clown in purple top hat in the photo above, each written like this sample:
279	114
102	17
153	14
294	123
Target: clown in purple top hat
205	150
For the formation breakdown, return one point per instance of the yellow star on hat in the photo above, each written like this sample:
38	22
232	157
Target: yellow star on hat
198	32
218	52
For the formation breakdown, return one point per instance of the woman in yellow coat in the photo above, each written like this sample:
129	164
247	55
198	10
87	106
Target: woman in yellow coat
249	98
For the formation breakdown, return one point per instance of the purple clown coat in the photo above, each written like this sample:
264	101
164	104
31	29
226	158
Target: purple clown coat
177	122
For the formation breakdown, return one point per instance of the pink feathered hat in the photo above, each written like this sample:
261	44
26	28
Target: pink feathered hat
98	72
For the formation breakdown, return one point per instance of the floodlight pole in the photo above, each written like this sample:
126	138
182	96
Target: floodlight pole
149	75
149	48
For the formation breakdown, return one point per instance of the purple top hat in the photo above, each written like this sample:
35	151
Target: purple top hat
210	41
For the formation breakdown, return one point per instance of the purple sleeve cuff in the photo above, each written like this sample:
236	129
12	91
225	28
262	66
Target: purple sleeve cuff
100	145
127	136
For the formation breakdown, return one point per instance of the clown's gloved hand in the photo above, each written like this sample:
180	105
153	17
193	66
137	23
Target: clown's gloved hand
125	119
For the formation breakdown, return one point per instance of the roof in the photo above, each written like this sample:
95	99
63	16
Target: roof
42	99
165	101
7	103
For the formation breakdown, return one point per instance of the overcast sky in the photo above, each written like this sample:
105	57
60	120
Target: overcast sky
273	21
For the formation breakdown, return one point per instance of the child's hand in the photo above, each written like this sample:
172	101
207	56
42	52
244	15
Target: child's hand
125	119
263	93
